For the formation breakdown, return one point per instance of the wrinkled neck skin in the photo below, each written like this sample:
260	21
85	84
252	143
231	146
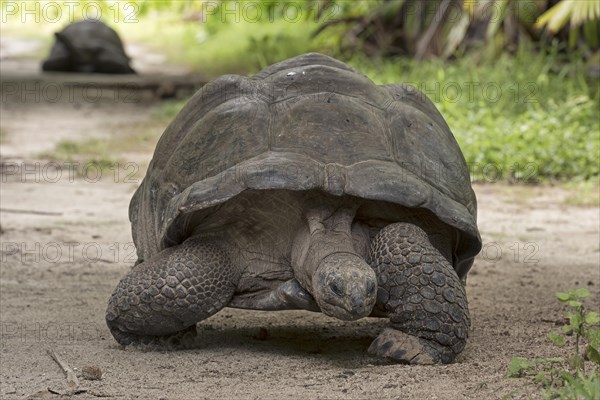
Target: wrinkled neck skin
328	266
328	232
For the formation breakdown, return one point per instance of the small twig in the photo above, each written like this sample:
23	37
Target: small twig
36	212
71	393
72	380
53	391
100	394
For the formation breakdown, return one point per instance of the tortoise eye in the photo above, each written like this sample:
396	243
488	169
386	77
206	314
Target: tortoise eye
336	288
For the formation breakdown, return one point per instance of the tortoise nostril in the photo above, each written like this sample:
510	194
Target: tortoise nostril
357	300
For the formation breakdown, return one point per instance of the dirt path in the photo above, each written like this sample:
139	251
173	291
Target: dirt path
66	241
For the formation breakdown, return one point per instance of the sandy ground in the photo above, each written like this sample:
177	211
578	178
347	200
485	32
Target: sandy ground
66	241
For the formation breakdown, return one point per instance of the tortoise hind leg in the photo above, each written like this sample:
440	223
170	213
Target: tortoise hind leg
171	292
420	291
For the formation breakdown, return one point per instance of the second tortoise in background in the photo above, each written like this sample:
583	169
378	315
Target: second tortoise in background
88	46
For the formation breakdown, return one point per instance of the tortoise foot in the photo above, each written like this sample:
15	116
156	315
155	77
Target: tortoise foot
178	340
408	349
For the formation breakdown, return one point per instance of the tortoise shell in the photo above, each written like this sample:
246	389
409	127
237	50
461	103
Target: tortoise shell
307	123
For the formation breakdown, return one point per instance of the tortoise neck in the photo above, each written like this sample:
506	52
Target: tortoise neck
328	232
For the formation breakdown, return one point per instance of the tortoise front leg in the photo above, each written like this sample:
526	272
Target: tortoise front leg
420	291
171	292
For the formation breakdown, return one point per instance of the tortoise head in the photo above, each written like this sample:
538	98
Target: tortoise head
327	264
345	286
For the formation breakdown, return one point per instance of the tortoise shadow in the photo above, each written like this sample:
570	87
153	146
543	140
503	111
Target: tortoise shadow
342	344
341	347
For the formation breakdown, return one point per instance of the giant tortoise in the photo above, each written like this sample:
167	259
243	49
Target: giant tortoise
306	187
88	46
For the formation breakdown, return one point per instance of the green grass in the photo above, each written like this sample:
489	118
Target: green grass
584	194
142	141
168	110
233	48
106	153
89	151
42	33
523	118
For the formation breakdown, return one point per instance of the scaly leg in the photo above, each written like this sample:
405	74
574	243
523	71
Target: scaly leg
171	292
420	291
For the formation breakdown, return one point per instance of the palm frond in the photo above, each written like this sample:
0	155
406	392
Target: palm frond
576	12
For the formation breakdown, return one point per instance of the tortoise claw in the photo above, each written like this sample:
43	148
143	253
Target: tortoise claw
401	347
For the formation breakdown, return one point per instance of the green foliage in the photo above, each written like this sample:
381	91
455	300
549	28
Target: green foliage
523	118
573	12
566	378
174	6
575	386
520	366
268	50
421	29
445	28
582	324
216	44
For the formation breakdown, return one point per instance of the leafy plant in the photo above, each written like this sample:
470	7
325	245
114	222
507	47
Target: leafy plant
575	14
566	378
583	324
576	386
445	28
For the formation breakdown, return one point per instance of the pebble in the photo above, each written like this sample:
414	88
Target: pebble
91	373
